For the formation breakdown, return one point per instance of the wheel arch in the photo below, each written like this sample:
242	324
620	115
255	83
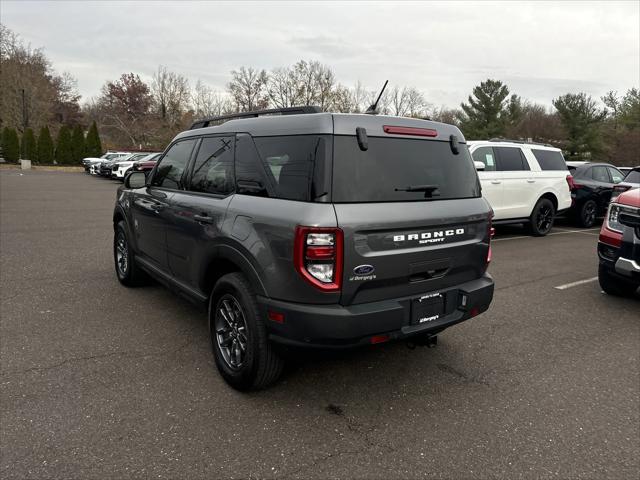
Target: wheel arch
228	259
549	196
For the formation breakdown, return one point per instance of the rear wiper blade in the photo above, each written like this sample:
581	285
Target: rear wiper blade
429	190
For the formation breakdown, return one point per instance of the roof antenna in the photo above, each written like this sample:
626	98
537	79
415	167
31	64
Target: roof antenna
372	110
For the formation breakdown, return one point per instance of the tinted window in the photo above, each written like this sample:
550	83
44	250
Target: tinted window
213	168
599	174
486	156
390	165
616	175
169	170
250	175
295	165
633	176
550	159
288	167
511	159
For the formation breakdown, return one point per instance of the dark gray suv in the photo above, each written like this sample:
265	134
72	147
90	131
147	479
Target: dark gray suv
311	229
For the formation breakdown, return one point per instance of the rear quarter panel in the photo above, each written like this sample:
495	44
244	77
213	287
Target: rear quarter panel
263	231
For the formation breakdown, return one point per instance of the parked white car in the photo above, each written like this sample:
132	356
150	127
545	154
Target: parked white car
91	162
524	182
123	165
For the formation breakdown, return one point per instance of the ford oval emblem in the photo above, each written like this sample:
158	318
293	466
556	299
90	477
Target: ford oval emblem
364	270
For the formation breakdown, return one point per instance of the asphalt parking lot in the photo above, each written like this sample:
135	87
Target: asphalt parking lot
99	381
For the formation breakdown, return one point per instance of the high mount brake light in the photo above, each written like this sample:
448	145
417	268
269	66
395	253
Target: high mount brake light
419	132
318	256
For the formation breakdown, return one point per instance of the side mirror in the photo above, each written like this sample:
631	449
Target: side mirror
479	165
135	180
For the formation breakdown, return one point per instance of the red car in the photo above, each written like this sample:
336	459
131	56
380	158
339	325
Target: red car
147	163
619	245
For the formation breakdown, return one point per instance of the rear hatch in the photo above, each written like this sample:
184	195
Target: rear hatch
411	211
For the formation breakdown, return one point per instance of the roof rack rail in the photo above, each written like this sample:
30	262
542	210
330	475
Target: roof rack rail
498	139
208	122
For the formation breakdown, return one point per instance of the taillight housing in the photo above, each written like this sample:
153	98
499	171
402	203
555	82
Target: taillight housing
572	184
492	232
318	256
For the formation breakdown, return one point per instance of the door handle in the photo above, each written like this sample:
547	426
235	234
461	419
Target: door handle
203	219
496	182
529	180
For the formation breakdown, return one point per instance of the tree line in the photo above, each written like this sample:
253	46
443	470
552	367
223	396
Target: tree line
134	114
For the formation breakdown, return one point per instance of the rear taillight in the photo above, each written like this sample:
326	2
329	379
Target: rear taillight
572	184
318	256
492	232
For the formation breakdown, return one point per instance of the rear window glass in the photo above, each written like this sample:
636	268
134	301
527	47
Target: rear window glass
549	159
390	166
633	176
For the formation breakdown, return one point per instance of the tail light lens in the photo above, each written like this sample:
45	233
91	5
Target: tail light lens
492	232
572	184
319	256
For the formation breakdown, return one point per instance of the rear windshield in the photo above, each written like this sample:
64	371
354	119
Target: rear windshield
550	159
633	176
392	166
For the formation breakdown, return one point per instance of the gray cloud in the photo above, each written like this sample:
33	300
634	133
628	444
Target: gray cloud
444	48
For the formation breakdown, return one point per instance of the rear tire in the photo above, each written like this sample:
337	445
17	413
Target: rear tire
542	218
245	357
615	286
127	270
587	214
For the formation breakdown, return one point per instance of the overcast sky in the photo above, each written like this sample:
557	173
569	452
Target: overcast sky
541	50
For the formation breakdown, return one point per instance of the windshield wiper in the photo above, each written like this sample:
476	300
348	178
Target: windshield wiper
429	190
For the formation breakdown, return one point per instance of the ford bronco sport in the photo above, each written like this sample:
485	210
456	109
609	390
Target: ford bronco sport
311	229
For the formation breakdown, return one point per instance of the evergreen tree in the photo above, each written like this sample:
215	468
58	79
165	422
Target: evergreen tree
10	145
28	147
93	146
77	144
45	146
64	151
490	111
581	118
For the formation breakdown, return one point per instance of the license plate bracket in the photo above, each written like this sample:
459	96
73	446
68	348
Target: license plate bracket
428	308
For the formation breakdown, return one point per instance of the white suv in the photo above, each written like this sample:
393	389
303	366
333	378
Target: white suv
524	182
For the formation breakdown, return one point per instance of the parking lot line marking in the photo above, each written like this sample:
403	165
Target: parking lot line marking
564	232
575	284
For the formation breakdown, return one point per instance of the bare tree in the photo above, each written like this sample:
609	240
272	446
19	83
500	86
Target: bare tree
283	88
209	103
27	92
248	88
171	95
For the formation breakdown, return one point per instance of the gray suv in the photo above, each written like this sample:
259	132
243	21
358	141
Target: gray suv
309	229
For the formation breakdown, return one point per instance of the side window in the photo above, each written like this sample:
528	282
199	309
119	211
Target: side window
486	156
293	162
250	174
549	159
600	174
616	175
169	170
511	159
213	167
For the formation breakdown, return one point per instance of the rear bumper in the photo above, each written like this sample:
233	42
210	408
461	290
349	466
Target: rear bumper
337	326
